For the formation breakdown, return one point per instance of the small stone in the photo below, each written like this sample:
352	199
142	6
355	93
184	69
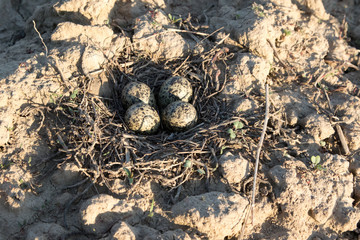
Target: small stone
92	60
122	231
243	105
101	86
234	168
248	73
317	126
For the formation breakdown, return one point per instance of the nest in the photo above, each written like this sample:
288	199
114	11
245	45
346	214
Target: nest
92	133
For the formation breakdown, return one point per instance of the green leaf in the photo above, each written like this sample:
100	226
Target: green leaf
129	175
238	125
201	171
231	133
286	32
222	149
74	94
322	143
315	160
127	171
188	164
151	214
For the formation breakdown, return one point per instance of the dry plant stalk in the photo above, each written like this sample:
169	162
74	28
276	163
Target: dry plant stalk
259	151
252	203
337	126
42	40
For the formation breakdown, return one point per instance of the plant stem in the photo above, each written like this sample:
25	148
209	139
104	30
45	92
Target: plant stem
251	208
259	151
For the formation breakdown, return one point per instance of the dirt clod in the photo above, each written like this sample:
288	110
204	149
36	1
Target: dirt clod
227	213
234	168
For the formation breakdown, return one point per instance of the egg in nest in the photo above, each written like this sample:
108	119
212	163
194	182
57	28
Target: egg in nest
175	89
142	118
179	116
137	92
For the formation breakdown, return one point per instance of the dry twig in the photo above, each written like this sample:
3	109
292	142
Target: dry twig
42	40
337	126
252	202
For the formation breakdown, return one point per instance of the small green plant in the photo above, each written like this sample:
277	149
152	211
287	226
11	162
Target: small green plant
173	19
10	129
151	213
188	164
286	32
74	94
129	175
315	163
237	125
258	9
231	133
201	171
222	149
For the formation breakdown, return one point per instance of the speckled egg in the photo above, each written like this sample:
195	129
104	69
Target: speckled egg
179	116
137	92
142	118
175	89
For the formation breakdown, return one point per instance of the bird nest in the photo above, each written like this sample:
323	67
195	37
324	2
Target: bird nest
91	132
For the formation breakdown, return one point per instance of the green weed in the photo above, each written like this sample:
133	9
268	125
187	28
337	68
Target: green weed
151	213
315	163
129	175
232	131
286	32
173	19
